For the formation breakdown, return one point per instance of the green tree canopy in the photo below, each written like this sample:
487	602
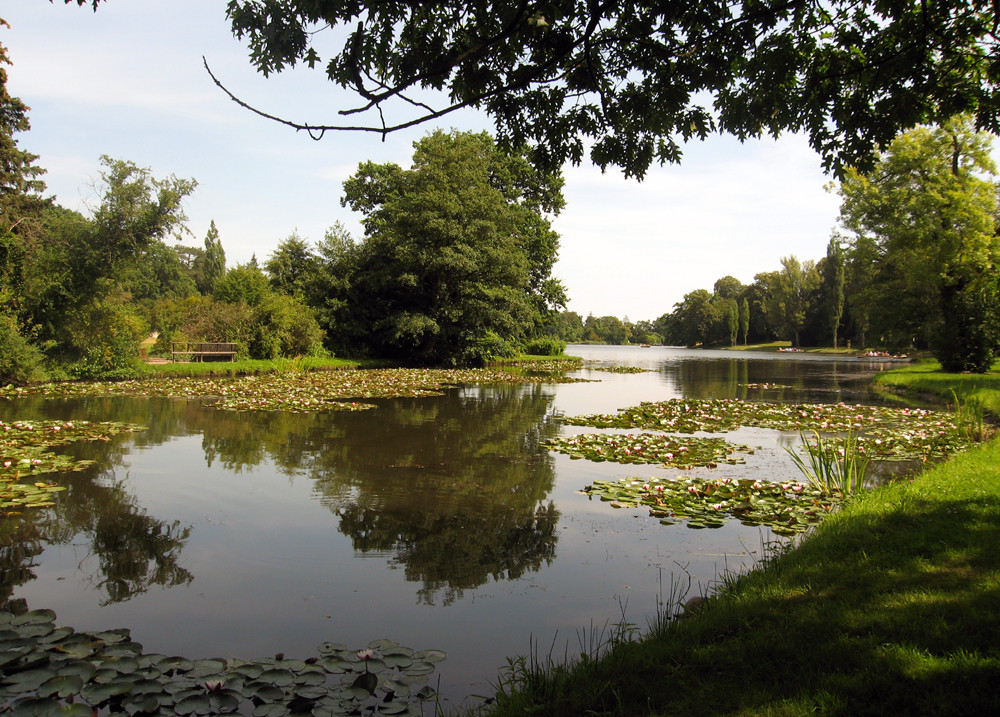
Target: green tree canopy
291	266
789	293
926	216
213	261
456	260
631	80
833	284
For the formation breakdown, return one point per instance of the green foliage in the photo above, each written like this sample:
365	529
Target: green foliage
104	336
277	326
244	283
213	264
201	319
631	82
789	292
157	273
20	361
283	326
834	469
924	223
567	326
833	282
546	346
291	266
488	347
606	329
455	264
744	319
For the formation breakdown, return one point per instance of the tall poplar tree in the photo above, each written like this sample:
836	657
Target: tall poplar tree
833	280
213	260
744	319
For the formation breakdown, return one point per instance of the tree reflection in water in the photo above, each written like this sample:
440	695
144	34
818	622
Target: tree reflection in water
133	550
454	487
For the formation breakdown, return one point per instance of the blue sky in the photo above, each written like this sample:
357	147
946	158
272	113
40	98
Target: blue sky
128	82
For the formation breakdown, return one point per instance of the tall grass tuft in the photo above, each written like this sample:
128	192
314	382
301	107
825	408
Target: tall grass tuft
969	417
833	468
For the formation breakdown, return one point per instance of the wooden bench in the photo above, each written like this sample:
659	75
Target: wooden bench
198	350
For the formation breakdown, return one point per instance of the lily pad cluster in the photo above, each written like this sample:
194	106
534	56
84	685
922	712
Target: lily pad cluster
882	431
24	454
50	670
296	391
787	508
669	451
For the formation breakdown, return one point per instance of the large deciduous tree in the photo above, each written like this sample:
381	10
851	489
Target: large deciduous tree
632	80
455	265
927	214
789	293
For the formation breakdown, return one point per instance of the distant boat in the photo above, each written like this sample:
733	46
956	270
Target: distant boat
789	349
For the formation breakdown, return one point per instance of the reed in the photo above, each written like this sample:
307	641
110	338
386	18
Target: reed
970	416
835	468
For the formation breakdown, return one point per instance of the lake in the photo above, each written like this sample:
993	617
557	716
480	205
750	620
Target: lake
437	522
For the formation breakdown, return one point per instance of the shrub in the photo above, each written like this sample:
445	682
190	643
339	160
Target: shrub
545	346
105	337
20	361
487	348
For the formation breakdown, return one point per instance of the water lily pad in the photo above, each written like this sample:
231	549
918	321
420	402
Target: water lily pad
181	664
206	667
200	704
264	691
61	686
329	648
419	668
277	676
249	670
431	655
29	680
397	661
34	617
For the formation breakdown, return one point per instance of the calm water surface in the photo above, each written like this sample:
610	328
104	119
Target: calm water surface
437	522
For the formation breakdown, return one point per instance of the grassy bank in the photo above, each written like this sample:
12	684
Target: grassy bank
926	378
218	369
248	367
892	606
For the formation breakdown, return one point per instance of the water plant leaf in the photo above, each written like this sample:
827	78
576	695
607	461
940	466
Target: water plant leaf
790	506
303	391
61	685
42	676
431	655
34	617
882	431
642	448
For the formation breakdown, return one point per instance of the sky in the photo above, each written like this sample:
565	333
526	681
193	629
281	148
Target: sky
128	82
